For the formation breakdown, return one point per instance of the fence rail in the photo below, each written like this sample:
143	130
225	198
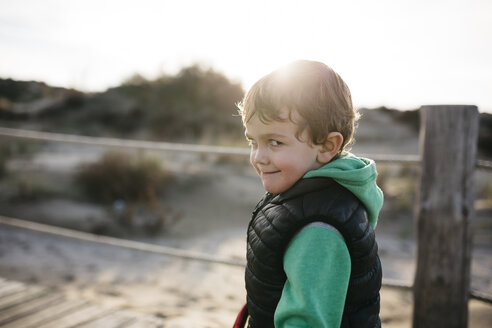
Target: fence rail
122	143
181	147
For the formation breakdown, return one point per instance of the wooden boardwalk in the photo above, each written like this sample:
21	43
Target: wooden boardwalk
26	306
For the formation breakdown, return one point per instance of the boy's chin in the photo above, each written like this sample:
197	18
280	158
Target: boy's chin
275	189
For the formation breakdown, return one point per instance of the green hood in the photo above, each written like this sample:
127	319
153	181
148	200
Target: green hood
358	175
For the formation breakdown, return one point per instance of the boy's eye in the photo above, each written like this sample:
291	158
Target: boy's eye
275	143
251	142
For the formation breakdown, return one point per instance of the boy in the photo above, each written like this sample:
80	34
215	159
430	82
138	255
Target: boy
311	252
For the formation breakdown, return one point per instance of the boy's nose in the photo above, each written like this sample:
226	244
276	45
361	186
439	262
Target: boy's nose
260	156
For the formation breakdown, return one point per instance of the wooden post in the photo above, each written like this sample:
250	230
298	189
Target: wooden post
448	143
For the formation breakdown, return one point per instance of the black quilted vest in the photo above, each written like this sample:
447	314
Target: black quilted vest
276	220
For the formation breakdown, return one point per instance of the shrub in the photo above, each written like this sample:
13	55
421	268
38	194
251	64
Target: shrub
399	185
191	105
119	177
131	188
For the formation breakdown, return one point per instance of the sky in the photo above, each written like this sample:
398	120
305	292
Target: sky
399	54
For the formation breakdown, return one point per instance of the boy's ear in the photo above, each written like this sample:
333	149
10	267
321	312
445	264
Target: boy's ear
330	148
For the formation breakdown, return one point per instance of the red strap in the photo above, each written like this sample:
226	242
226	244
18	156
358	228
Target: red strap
242	316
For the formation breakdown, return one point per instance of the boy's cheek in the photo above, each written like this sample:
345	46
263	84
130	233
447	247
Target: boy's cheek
256	169
251	160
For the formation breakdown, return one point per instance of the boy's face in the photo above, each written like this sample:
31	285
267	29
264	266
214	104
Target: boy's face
278	156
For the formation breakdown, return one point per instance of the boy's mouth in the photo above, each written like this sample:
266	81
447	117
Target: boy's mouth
269	173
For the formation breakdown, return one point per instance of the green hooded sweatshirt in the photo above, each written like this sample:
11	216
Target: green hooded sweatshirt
309	298
358	175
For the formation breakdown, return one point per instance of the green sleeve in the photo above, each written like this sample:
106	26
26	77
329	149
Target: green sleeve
317	264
